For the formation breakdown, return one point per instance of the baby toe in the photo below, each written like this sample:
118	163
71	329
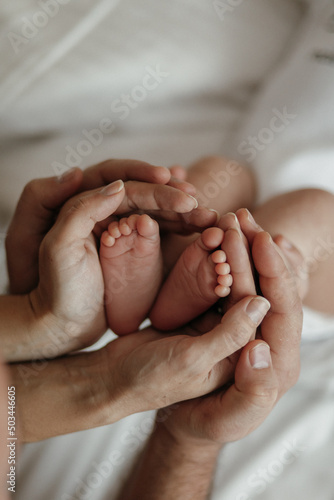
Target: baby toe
222	291
218	257
124	227
113	230
225	280
147	226
223	268
212	238
107	239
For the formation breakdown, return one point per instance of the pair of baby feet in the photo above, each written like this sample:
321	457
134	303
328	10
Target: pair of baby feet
132	266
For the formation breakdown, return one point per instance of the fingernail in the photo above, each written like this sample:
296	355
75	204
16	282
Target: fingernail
67	176
257	309
217	214
251	219
235	218
113	188
194	200
259	356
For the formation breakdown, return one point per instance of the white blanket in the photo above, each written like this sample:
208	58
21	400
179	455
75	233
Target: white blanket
61	80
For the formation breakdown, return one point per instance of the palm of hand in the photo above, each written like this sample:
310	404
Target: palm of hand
72	284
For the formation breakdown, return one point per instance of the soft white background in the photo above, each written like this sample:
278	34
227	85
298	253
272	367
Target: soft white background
225	77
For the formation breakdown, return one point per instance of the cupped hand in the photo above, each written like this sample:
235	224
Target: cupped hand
156	369
149	188
267	367
68	302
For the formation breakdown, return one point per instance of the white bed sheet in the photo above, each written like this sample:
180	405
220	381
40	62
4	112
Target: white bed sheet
301	429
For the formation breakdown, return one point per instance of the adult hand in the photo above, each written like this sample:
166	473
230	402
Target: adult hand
141	371
266	367
67	306
151	188
171	367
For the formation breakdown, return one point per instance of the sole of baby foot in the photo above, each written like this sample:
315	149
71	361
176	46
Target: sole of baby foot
189	289
132	268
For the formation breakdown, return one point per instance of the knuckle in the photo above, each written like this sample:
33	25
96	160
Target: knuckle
30	190
239	333
188	354
70	209
265	396
79	204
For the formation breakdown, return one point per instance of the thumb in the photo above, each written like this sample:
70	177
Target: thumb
235	330
80	214
250	400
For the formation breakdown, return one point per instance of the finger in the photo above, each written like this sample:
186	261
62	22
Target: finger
246	404
79	216
178	172
145	196
195	221
171	222
229	221
235	330
184	186
281	329
128	343
248	225
111	170
34	216
241	269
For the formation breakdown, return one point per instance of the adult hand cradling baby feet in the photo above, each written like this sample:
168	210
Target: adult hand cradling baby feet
55	268
59	281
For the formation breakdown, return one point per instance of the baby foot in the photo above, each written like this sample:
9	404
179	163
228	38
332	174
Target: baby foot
193	285
295	263
236	248
291	255
132	269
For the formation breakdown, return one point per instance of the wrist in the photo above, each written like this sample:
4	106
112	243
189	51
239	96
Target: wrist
19	328
47	338
169	468
52	335
200	450
77	397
